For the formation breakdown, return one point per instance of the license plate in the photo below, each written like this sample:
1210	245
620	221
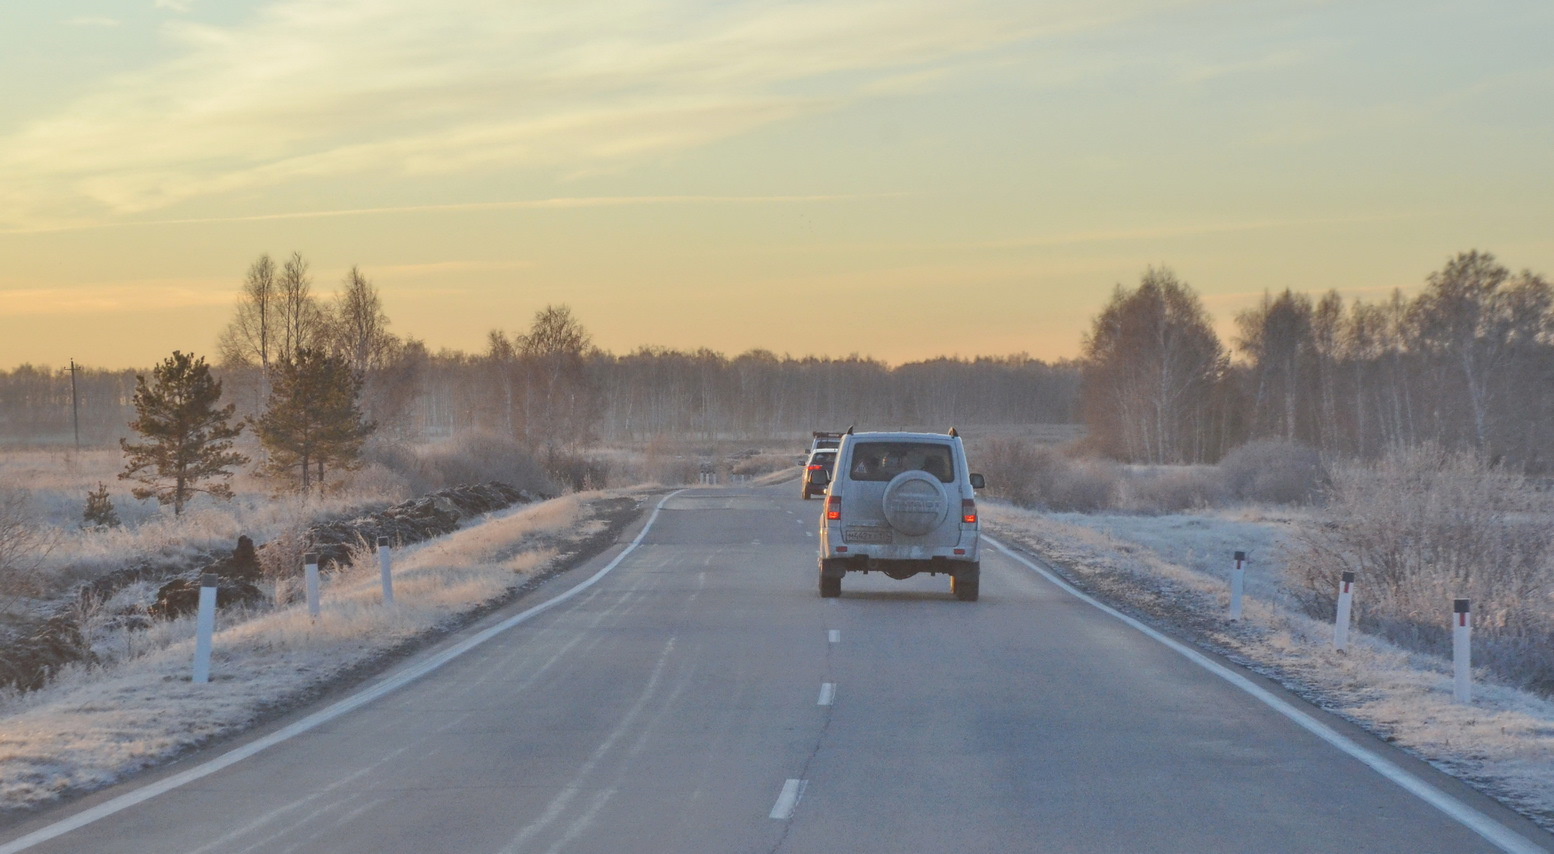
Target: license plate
867	536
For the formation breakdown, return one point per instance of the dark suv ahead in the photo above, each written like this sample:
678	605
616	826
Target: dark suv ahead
820	460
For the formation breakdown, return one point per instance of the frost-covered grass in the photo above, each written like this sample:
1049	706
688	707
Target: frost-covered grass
1176	569
55	484
93	725
1205	541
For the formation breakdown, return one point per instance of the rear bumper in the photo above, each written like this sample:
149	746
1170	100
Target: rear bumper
962	568
968	549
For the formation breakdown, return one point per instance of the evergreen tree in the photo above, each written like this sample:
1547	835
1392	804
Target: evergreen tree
99	511
188	440
313	423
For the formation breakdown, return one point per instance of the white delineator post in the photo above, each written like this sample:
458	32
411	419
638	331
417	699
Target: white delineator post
1345	604
310	580
204	628
1461	652
1237	585
384	562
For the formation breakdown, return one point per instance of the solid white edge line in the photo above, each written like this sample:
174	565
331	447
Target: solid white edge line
827	694
323	716
788	799
1492	831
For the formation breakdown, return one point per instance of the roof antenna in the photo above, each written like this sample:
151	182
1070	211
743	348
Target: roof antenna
849	429
953	433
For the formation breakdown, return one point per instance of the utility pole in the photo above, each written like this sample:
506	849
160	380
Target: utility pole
75	405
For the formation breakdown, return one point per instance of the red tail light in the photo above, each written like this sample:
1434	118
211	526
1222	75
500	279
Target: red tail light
816	468
834	507
968	511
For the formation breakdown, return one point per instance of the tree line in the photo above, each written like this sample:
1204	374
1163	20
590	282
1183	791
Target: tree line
546	383
1466	363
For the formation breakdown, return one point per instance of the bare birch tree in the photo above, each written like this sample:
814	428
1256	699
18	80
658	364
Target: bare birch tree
250	338
1473	317
302	322
558	395
1152	366
358	326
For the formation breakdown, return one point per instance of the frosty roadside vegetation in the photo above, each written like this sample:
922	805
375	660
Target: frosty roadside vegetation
1174	569
93	725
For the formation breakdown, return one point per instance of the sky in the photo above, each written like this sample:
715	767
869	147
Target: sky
896	178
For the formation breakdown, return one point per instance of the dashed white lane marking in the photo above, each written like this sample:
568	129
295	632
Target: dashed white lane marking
827	694
788	799
1490	830
324	715
834	636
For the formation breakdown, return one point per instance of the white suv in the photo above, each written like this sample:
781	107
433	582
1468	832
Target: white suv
901	504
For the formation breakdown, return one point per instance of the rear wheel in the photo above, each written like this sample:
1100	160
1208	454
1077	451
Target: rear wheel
965	591
830	588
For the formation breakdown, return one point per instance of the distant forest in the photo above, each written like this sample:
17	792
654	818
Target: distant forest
635	397
1466	363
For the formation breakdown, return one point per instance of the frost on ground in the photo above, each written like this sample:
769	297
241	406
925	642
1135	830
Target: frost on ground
1174	570
94	725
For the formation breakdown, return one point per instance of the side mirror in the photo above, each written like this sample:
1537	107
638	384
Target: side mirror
978	482
820	478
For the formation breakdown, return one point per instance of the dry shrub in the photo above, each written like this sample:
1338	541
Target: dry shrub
1273	472
577	471
1423	526
467	458
280	561
756	463
661	463
24	544
1042	477
1171	489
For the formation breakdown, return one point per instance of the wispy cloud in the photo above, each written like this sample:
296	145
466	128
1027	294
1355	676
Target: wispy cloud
100	21
1198	229
109	298
319	89
173	5
1199	72
556	203
439	268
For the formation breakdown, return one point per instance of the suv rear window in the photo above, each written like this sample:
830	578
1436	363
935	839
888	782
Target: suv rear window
881	461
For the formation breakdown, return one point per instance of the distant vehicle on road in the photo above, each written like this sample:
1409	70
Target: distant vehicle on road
823	440
901	504
820	460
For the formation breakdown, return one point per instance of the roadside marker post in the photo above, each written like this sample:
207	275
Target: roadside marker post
310	580
1237	586
1345	604
1462	652
205	628
385	560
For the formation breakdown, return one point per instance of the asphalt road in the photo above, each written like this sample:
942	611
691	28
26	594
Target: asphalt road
702	697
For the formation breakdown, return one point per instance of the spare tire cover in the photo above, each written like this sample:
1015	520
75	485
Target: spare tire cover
915	503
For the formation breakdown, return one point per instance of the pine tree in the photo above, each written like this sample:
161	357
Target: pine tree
99	511
313	423
188	441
